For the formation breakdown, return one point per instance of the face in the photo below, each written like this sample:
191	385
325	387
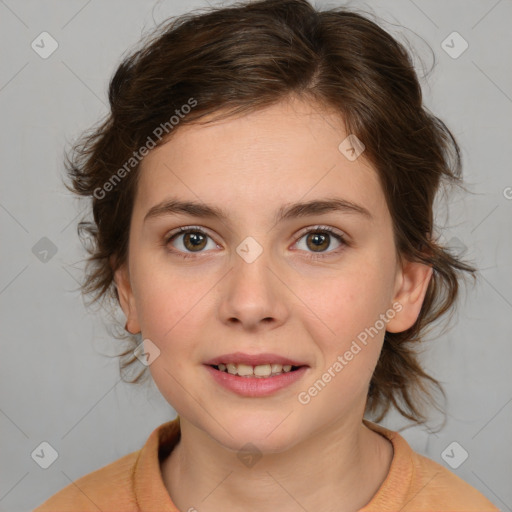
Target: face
286	285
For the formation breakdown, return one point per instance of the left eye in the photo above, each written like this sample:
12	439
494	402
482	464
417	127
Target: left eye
319	239
194	240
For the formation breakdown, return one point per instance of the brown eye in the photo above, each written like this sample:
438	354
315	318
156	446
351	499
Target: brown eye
194	240
188	240
319	240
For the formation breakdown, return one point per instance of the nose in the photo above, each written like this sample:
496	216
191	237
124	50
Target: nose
253	295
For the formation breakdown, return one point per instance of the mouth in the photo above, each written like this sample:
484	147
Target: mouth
255	375
260	371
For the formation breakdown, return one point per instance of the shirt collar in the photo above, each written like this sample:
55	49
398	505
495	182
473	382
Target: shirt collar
151	493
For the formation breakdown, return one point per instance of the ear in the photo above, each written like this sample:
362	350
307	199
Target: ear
126	298
410	288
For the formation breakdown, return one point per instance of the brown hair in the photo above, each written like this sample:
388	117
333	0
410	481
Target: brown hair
251	55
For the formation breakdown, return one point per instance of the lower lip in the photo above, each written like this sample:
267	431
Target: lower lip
256	386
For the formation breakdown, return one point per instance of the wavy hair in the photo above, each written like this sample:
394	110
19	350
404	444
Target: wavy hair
250	55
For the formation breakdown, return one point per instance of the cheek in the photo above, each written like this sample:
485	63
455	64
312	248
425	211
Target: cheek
348	340
347	303
171	311
167	297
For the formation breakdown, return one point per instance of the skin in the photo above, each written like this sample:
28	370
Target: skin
318	456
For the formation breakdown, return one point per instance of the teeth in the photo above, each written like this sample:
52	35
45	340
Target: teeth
261	370
276	368
244	370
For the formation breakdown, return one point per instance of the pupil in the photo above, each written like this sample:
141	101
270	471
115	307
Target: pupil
319	237
195	239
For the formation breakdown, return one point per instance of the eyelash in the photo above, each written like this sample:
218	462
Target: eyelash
315	230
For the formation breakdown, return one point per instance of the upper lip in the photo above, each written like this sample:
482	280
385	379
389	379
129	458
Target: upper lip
253	359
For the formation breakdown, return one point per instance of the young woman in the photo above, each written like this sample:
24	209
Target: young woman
263	193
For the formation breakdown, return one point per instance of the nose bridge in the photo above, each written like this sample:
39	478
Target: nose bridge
251	292
251	270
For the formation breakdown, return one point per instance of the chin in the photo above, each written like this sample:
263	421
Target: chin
269	434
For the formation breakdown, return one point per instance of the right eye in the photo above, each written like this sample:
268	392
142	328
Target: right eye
192	240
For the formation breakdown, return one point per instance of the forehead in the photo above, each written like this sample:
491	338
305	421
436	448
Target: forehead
280	154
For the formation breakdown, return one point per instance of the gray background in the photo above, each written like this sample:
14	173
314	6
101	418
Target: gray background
56	383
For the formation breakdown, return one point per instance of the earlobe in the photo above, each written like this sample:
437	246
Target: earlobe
126	299
413	280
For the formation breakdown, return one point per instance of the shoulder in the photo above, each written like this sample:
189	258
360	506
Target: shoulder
416	483
130	483
110	485
436	485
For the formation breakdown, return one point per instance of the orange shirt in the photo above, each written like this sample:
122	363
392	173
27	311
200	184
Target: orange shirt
134	482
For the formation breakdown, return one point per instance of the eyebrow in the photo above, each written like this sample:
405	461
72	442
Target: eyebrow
290	211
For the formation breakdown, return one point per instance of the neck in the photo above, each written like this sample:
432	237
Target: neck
340	468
